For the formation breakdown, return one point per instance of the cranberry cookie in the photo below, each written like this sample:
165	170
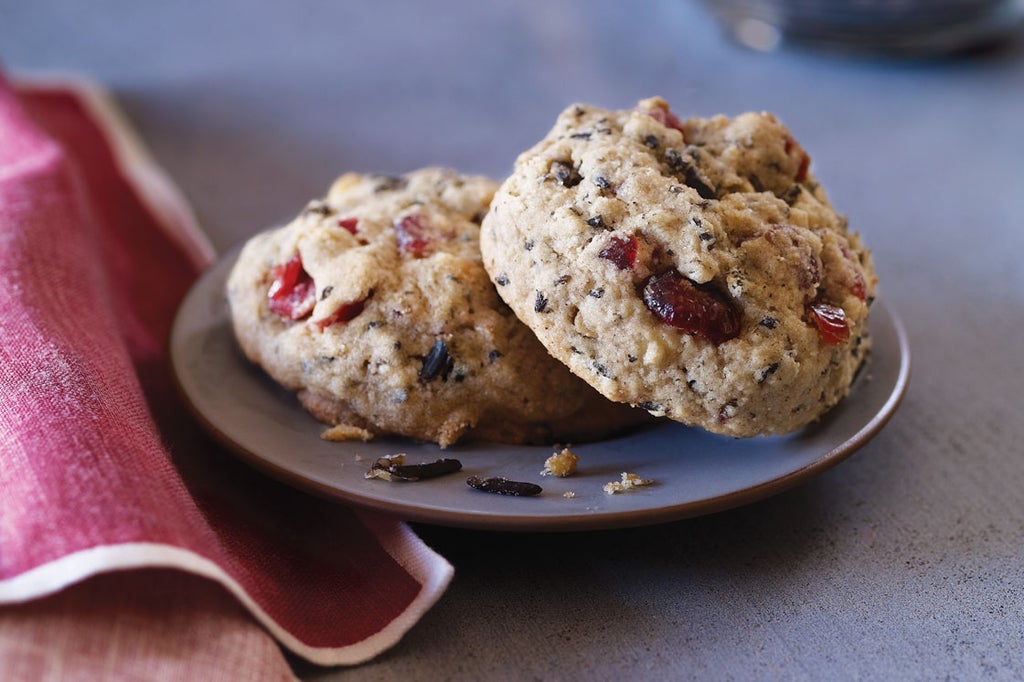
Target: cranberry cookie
374	305
694	268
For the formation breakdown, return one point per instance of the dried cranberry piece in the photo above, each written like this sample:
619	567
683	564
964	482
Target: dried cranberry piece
664	116
413	235
805	161
286	275
801	171
293	293
350	224
830	321
344	313
695	309
621	251
859	288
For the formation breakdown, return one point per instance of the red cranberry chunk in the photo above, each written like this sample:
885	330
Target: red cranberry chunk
293	293
830	321
413	235
350	224
344	313
859	288
621	251
805	161
695	309
665	117
801	171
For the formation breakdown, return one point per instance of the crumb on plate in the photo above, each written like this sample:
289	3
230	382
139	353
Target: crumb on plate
561	464
343	432
629	482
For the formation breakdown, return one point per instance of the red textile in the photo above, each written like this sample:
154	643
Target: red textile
100	468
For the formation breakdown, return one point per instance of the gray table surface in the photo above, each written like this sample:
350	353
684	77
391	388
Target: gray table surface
904	562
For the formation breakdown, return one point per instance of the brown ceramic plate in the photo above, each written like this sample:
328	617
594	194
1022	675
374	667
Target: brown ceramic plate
695	472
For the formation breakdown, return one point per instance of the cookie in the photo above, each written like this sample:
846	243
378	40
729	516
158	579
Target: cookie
373	305
694	268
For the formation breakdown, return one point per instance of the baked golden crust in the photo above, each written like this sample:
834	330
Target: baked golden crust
373	304
694	268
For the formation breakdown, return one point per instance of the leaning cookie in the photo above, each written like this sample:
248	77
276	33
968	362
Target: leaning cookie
694	268
374	305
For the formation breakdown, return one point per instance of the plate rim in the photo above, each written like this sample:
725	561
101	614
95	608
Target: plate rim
528	522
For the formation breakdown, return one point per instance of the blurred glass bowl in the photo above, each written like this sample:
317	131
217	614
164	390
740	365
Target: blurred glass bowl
912	27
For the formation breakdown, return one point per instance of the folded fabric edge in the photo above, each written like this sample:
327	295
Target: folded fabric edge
158	194
430	570
151	184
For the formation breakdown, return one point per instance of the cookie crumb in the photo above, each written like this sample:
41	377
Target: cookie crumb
561	464
629	482
343	432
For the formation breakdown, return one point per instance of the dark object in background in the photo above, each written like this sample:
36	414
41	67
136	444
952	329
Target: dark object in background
907	27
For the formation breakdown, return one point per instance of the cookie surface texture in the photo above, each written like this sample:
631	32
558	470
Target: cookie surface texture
373	305
692	267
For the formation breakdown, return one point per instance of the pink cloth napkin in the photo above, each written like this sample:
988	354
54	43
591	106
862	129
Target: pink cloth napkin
101	469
